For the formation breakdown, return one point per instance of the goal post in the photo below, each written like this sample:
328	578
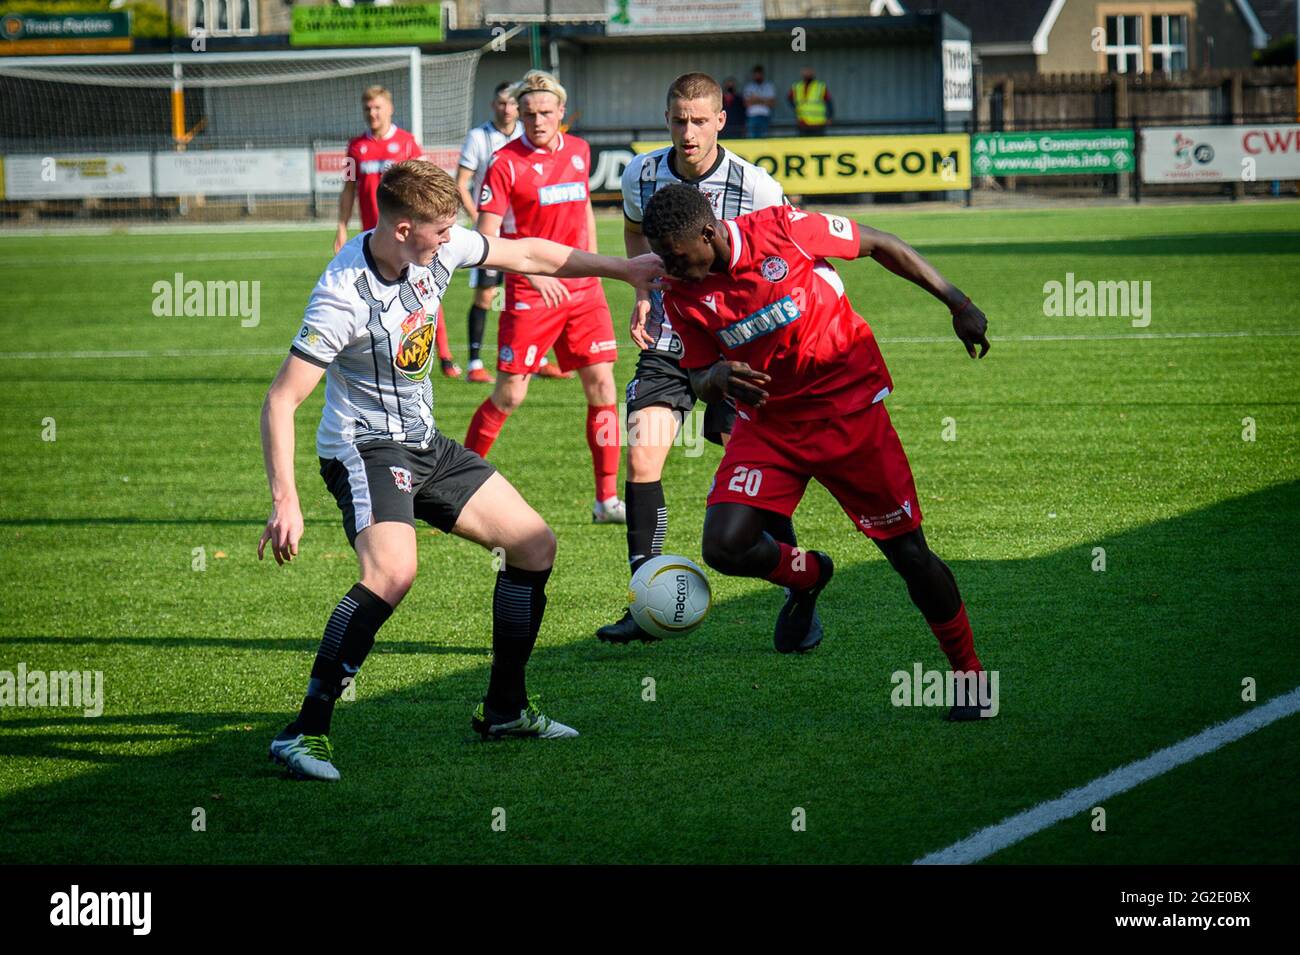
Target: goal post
220	135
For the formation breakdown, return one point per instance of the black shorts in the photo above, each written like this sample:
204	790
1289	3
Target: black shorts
661	381
485	278
386	481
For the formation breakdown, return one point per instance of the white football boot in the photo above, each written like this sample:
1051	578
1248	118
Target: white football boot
613	511
306	757
530	722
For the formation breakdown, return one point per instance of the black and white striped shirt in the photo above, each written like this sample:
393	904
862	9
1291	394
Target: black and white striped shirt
376	340
733	186
480	143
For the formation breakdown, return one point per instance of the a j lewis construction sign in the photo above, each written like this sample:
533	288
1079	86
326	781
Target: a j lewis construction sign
1063	153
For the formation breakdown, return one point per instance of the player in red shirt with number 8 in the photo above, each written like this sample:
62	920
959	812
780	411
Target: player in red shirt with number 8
764	321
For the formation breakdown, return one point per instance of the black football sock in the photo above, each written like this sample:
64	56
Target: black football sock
780	527
518	603
477	322
349	635
647	521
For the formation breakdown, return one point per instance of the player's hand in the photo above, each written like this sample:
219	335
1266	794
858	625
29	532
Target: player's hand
645	271
640	312
553	291
971	327
284	530
735	379
340	238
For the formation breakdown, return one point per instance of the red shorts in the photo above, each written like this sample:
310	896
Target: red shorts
857	457
580	330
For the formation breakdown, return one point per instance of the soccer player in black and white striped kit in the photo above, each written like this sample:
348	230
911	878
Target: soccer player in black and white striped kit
369	329
660	395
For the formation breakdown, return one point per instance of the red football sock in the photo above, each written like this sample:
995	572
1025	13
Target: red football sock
484	427
958	642
605	442
440	333
797	568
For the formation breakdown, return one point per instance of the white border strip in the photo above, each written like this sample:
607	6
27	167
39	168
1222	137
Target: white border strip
1258	37
1045	28
1009	831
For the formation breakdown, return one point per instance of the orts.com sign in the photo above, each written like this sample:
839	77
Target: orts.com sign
1221	153
849	164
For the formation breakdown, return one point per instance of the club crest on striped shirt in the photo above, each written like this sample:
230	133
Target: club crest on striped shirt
415	347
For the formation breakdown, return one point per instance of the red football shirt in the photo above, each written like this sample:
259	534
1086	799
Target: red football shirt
540	194
781	308
371	157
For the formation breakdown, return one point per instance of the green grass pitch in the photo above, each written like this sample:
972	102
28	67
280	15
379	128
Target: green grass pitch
1073	434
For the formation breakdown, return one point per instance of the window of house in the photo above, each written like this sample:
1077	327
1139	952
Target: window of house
1168	43
223	17
1124	44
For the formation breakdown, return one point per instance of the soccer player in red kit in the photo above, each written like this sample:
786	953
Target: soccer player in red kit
369	156
536	186
764	320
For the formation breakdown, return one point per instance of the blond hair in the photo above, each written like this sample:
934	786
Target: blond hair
539	81
417	190
691	86
374	92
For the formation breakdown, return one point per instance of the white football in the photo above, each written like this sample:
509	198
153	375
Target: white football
669	595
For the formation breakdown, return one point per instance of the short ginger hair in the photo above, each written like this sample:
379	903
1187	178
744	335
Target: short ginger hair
419	191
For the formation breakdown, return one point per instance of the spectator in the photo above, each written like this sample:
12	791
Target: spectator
734	107
812	104
760	98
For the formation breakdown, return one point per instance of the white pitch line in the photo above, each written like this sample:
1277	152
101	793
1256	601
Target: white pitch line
170	258
178	228
1013	829
168	353
1118	336
919	340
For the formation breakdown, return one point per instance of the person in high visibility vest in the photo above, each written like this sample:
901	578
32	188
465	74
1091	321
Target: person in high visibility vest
812	104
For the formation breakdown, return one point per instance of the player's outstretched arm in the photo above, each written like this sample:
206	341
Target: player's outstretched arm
464	177
900	258
544	257
294	382
554	292
346	198
637	244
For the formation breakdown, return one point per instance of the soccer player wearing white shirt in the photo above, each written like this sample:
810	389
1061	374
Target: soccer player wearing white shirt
369	328
480	144
660	395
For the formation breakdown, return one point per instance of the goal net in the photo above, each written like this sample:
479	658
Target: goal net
209	136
